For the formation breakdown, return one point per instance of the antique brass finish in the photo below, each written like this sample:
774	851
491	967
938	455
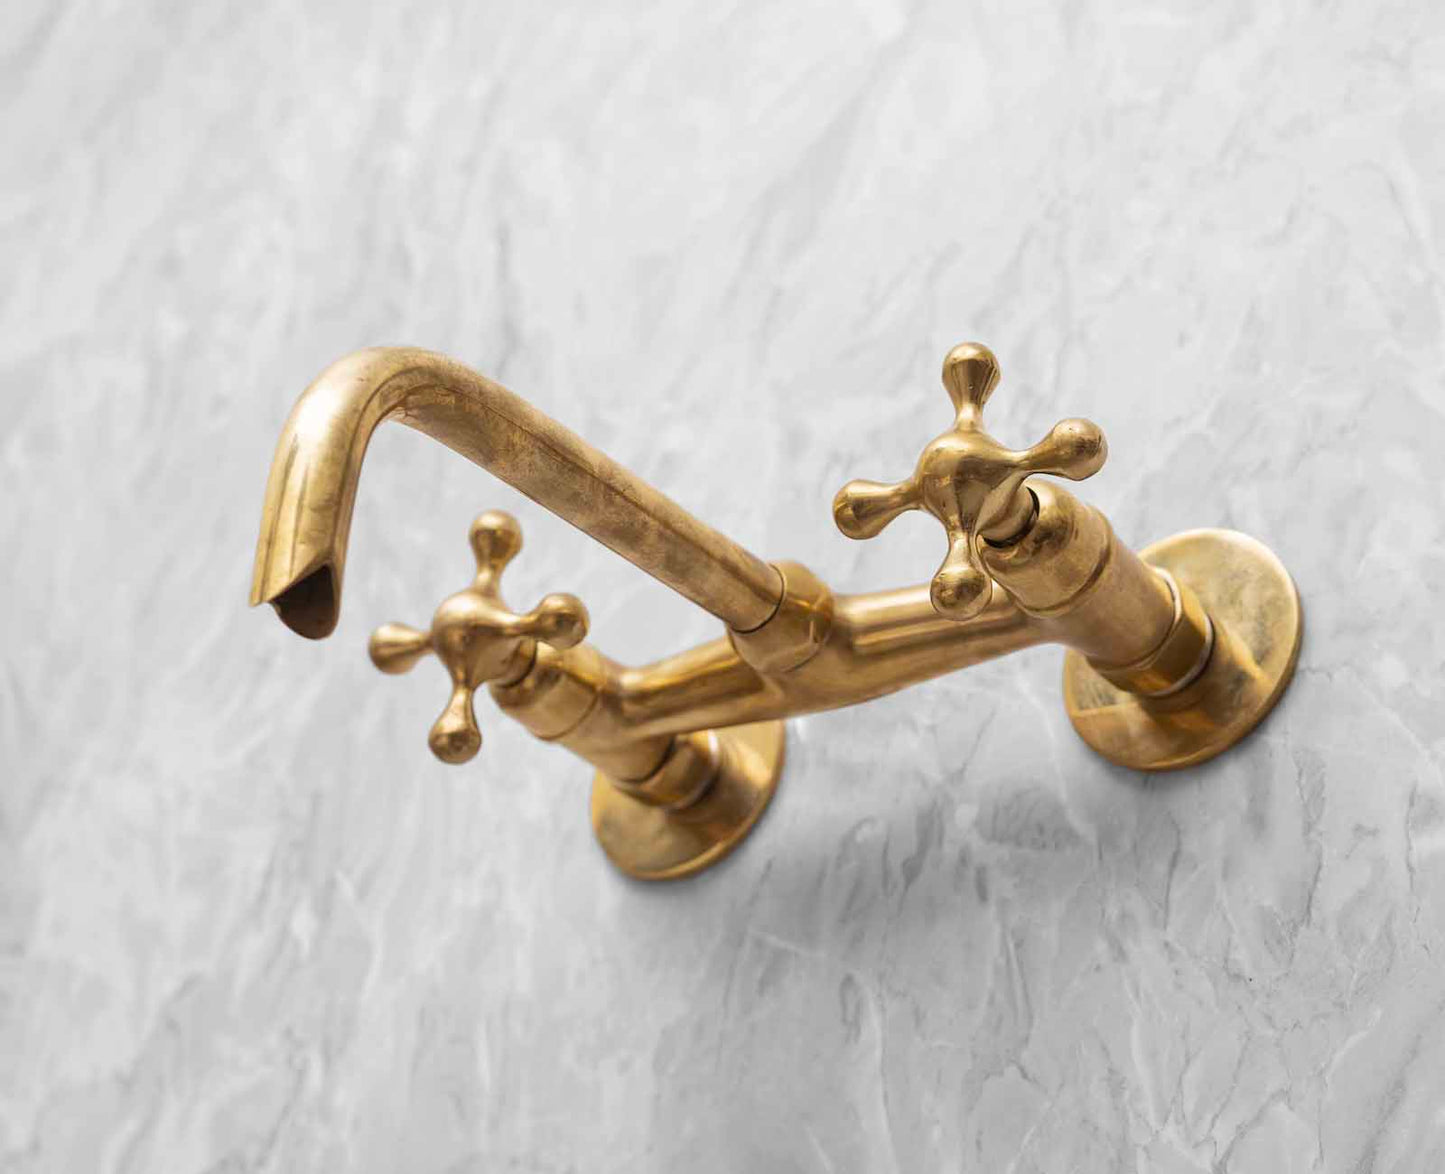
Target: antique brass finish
794	632
1257	626
1173	657
301	555
477	638
970	482
653	842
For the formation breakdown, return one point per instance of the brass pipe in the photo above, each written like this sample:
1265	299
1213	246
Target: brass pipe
877	644
301	555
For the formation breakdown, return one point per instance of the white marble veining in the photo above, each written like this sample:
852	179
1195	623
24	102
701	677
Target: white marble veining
247	923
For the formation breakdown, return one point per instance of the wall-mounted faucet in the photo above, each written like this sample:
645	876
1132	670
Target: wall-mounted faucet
1174	653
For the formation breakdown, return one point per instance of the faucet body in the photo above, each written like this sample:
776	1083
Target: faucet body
688	749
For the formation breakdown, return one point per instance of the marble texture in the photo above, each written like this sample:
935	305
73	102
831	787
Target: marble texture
247	923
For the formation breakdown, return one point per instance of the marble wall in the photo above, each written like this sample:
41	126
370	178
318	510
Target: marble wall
246	921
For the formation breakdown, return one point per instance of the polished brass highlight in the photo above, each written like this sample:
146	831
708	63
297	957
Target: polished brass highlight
1172	657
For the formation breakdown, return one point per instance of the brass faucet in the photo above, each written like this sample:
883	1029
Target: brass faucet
1174	655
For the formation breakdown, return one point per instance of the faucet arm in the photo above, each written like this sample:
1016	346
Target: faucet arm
301	555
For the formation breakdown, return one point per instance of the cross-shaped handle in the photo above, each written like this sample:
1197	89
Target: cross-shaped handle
970	483
477	638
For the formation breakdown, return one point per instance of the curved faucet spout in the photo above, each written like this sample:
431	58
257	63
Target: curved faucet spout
301	554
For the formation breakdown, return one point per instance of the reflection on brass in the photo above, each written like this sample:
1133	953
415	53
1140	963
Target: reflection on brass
1173	657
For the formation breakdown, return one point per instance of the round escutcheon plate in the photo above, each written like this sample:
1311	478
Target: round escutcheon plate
1257	627
651	843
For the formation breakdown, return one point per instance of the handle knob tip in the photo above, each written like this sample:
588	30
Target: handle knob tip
1074	448
559	620
861	509
970	373
961	588
454	737
496	539
395	648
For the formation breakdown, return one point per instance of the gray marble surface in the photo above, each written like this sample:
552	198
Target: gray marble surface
247	923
